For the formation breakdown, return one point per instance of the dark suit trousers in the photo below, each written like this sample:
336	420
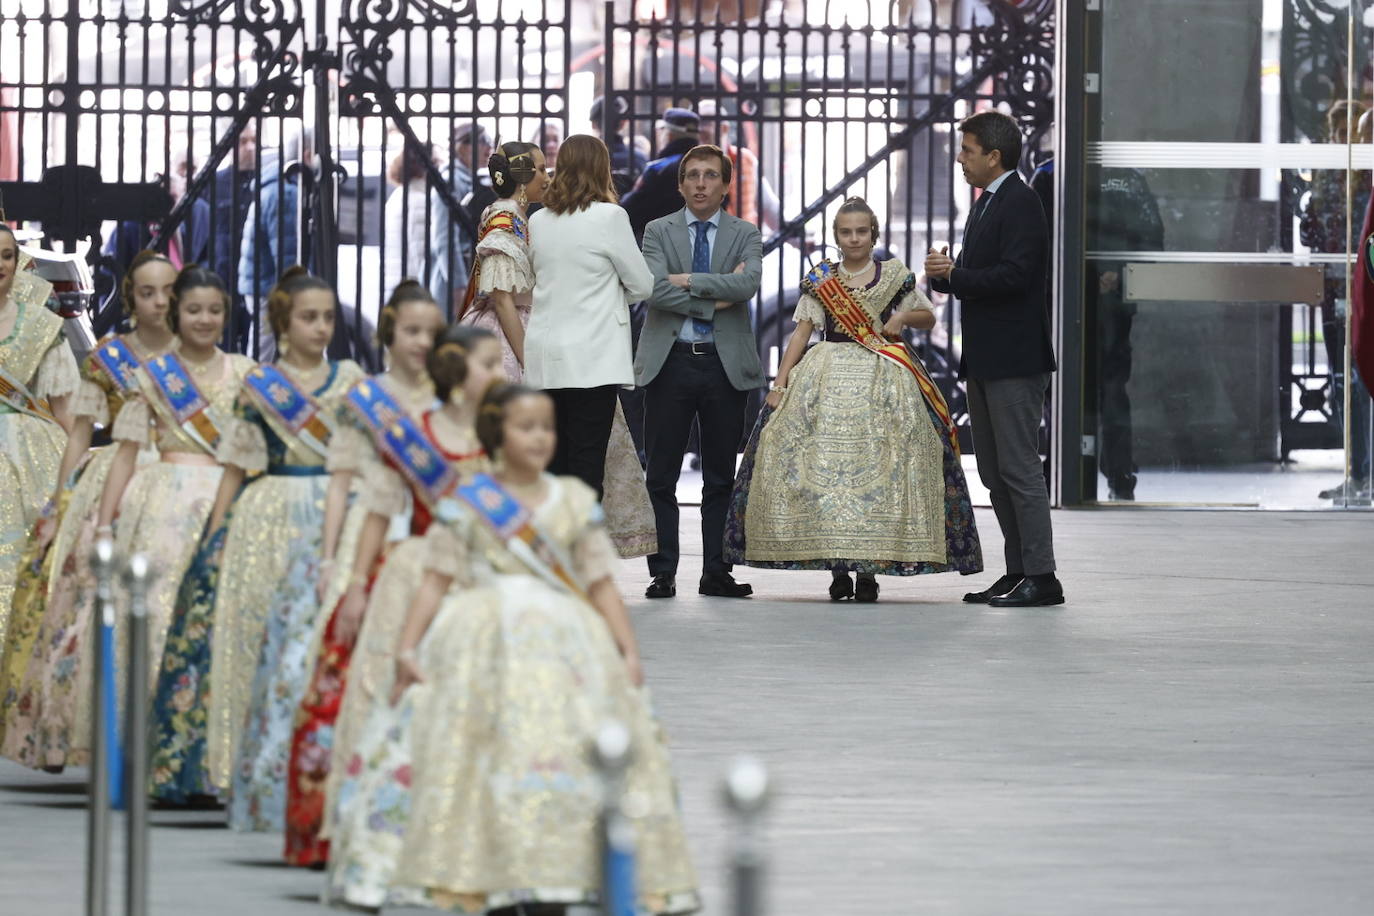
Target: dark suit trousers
1005	415
583	417
686	388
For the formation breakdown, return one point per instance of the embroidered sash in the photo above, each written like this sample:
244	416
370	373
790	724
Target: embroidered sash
514	526
182	401
824	282
290	411
400	438
116	361
501	221
32	339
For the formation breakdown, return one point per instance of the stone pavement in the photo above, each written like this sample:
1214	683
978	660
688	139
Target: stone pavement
1191	733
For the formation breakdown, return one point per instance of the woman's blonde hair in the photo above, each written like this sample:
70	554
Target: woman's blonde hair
583	176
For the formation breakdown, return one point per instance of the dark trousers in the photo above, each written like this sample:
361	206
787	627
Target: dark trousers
1005	415
691	388
1116	457
583	417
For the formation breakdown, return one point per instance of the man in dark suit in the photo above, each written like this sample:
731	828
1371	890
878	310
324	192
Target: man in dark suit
697	360
999	279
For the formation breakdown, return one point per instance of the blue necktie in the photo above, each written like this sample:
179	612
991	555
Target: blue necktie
701	264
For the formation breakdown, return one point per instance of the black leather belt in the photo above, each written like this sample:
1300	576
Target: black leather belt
699	348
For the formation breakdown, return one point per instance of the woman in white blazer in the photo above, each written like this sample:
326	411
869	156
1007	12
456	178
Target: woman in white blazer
587	271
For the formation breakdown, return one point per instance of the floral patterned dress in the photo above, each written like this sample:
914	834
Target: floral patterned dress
265	603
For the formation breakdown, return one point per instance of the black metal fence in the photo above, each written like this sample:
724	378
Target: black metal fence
251	134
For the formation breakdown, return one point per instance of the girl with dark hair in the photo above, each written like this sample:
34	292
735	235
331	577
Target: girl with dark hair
515	648
354	539
38	377
854	464
500	292
49	623
365	799
264	612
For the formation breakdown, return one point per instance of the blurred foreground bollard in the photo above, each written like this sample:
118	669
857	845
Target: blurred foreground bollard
611	753
98	814
746	792
137	578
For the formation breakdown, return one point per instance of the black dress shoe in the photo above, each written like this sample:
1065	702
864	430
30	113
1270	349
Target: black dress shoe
662	587
1000	587
723	585
1034	591
866	590
841	587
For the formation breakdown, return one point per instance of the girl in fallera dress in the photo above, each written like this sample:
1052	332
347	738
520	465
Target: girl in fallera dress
854	464
49	624
499	294
38	377
189	396
365	797
266	600
516	647
406	327
186	399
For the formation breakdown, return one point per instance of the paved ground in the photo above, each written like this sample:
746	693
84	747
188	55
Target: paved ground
1190	734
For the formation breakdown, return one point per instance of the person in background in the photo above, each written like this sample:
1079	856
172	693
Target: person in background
549	138
656	192
626	162
448	237
752	197
229	197
407	217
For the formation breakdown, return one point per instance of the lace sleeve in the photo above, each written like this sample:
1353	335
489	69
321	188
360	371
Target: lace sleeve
134	423
58	376
911	297
809	309
383	489
501	271
242	442
91	402
446	554
349	449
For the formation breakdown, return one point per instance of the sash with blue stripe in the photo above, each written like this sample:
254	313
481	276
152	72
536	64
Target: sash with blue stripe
116	360
289	409
514	525
400	438
183	400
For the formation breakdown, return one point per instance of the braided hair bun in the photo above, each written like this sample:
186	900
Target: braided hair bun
511	167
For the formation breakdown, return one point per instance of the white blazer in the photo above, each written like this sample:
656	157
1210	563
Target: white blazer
587	271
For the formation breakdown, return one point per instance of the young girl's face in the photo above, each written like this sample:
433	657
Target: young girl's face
200	316
312	322
854	235
152	293
484	367
417	323
527	433
9	263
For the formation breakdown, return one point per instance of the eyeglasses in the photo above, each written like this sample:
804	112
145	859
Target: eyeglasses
701	176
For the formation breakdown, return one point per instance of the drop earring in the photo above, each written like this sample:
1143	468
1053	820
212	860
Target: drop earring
521	197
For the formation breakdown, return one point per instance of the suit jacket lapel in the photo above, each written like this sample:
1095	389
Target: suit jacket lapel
720	247
988	210
682	238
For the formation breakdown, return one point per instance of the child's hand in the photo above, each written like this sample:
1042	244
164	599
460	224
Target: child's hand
407	673
894	327
774	399
635	670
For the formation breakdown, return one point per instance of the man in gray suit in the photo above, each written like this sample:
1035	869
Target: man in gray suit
697	360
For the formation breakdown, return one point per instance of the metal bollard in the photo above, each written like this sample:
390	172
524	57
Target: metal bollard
611	752
98	815
746	793
137	578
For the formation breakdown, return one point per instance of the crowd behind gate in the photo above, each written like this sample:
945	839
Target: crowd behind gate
385	618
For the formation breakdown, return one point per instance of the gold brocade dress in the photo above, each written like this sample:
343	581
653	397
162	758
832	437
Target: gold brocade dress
265	603
503	263
56	608
33	354
849	469
504	800
374	658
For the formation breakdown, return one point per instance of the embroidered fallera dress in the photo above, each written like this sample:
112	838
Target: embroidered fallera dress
49	627
352	450
502	262
265	603
35	366
855	469
518	672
